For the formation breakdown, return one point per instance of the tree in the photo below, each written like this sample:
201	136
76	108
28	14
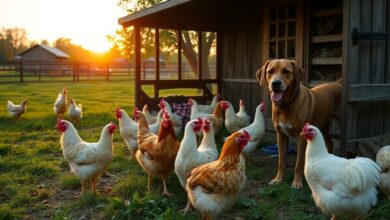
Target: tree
124	39
14	40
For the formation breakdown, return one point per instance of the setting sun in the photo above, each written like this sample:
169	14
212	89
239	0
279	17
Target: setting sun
86	22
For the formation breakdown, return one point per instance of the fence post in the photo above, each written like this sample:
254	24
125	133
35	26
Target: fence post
107	72
74	71
21	71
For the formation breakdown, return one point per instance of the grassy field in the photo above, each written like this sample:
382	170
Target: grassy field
36	183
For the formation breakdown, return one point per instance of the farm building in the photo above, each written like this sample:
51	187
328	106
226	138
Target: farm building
334	39
42	58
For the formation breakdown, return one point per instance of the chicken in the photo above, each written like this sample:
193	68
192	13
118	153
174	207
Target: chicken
383	160
61	103
339	186
210	108
17	110
75	111
155	127
149	118
190	155
234	122
128	129
256	130
213	187
176	119
216	117
242	112
157	153
87	161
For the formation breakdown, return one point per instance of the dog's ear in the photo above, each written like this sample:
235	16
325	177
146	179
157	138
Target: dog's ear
299	72
260	74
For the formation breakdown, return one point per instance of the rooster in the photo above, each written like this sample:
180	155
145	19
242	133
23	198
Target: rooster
190	155
61	103
156	153
233	121
176	119
17	110
383	160
339	186
86	160
256	130
213	187
216	117
75	111
210	108
128	129
149	118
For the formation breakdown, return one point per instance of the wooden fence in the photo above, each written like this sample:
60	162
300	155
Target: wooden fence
35	71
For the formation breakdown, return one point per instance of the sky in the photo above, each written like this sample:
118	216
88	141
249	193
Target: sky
86	22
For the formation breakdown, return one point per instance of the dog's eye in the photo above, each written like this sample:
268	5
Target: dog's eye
286	71
271	71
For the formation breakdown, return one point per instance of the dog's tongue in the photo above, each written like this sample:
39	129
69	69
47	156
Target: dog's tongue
276	96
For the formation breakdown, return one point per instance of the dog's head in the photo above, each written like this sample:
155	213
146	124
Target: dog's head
282	78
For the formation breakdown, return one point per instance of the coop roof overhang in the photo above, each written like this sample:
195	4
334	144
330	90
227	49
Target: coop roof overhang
203	15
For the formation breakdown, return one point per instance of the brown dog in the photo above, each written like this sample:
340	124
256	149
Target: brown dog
293	104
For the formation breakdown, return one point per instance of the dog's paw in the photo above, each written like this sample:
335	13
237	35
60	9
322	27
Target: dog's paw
276	181
297	185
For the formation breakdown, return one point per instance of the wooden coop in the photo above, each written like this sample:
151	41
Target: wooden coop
346	39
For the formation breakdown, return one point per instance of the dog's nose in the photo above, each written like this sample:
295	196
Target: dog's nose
276	84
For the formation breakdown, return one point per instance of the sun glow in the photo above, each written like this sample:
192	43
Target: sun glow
86	22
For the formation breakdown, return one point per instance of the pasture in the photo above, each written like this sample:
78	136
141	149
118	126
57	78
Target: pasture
36	182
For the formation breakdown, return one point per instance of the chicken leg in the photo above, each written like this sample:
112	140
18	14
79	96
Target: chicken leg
165	192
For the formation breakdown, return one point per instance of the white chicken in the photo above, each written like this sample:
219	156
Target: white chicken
75	111
176	119
61	103
155	127
86	160
190	155
128	129
233	121
339	186
149	117
256	130
17	110
210	108
383	160
216	117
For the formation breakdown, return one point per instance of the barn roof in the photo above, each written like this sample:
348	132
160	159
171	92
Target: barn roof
56	52
208	15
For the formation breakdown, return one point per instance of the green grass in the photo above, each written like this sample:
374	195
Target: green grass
36	182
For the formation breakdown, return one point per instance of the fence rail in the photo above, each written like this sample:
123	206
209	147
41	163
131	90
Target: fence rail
35	71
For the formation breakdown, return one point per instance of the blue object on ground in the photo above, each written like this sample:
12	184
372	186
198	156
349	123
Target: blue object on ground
273	149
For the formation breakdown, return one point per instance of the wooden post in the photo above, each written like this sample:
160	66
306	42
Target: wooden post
39	71
137	65
107	72
157	51
219	62
21	71
200	55
74	71
179	70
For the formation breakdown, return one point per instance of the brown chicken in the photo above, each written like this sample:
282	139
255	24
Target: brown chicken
157	153
213	187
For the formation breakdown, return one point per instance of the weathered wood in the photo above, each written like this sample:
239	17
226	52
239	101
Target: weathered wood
327	38
369	92
179	41
137	86
157	52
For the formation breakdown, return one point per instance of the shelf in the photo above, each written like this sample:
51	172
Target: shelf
314	83
327	38
328	12
327	61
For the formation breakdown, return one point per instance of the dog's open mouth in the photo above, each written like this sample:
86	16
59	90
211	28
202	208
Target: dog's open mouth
277	95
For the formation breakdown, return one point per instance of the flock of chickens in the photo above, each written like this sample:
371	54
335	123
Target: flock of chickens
211	179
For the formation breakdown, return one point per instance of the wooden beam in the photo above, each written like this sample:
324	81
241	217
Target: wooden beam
200	45
369	92
219	61
157	51
179	54
177	83
137	86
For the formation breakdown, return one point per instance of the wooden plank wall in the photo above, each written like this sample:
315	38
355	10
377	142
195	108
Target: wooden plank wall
241	58
367	63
